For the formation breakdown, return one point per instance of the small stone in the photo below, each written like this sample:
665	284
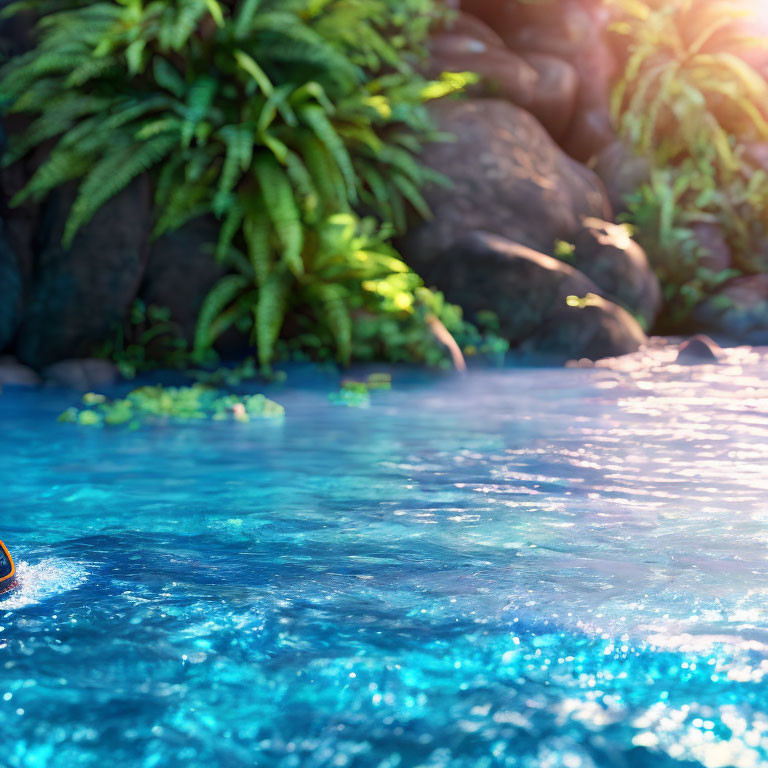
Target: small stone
698	349
14	374
82	374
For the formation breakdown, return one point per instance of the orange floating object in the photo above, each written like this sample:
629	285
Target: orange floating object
7	570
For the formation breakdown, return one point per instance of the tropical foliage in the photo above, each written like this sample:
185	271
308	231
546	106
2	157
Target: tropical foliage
690	101
276	116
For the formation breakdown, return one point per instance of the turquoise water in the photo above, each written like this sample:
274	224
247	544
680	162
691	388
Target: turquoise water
533	568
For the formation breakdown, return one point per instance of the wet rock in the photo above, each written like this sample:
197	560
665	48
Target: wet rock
13	373
699	349
10	290
593	329
619	267
79	295
519	184
622	172
715	253
529	292
502	73
739	311
554	97
85	374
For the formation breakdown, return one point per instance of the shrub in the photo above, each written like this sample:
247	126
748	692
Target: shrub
274	115
690	103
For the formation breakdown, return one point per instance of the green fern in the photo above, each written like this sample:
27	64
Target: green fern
272	115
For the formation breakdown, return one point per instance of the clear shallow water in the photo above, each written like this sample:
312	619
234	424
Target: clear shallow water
533	568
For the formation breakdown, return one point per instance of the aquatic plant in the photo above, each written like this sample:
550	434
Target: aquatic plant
158	404
273	115
357	394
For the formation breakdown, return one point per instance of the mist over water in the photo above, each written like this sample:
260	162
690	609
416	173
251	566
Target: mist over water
534	567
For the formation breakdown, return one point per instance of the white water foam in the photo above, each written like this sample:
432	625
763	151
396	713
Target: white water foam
40	581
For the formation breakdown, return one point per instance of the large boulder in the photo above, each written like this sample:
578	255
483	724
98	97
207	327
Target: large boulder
10	291
738	311
508	177
80	294
570	31
607	254
533	296
592	329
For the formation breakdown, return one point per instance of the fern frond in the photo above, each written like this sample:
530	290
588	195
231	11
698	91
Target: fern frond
110	176
270	312
224	293
281	206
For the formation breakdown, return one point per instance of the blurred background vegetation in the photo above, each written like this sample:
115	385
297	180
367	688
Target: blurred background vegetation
298	125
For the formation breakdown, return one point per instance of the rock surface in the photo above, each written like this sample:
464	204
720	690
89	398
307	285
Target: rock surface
739	311
529	292
471	26
81	294
619	267
502	73
180	271
85	374
622	172
508	177
593	330
554	97
13	373
699	349
10	291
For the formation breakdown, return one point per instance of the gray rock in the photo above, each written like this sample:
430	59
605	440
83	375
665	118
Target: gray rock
508	177
13	373
699	349
79	295
85	374
619	267
529	292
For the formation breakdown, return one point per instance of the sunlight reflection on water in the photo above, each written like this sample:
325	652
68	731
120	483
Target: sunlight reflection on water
525	568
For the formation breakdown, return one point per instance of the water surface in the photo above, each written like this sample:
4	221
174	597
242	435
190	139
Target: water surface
530	568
